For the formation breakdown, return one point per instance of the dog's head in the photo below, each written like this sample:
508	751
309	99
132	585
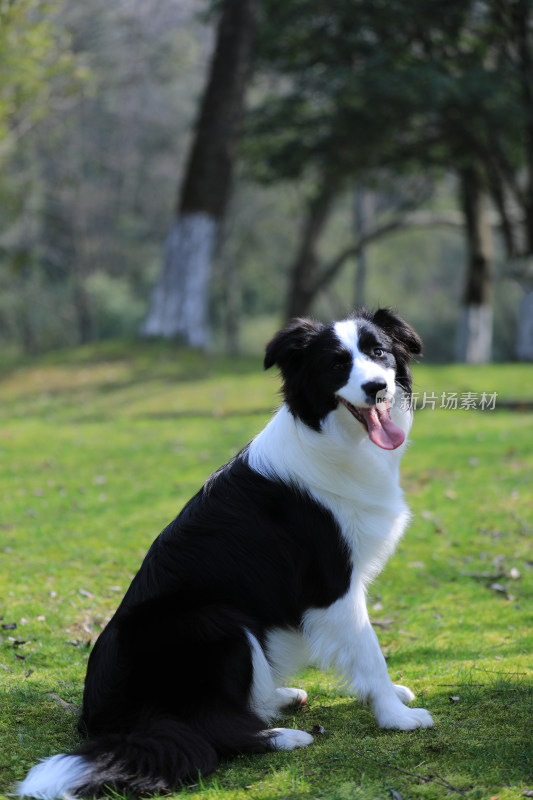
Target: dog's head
355	366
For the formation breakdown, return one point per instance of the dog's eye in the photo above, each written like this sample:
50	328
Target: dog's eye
379	351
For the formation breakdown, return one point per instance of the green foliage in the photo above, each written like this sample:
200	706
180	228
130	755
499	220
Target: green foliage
90	185
99	99
34	51
355	92
102	445
363	85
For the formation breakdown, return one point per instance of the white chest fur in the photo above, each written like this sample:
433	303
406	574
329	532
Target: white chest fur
346	473
371	531
359	484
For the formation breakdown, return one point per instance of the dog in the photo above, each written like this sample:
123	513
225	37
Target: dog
264	569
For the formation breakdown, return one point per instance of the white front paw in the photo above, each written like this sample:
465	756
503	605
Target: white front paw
287	738
402	718
403	693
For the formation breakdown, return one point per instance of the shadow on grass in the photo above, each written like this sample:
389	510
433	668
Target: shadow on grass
481	742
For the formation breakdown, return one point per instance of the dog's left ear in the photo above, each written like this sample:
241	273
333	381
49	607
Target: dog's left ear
398	330
289	344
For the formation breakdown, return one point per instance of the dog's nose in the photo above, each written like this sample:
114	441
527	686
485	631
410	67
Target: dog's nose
372	388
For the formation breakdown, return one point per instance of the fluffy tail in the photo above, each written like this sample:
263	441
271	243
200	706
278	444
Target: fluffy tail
153	759
54	777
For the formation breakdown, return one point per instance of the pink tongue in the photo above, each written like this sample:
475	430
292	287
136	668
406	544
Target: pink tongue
381	429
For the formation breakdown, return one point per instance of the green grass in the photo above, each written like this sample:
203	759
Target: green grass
100	447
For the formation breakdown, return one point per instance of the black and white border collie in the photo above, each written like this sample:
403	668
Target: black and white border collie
264	569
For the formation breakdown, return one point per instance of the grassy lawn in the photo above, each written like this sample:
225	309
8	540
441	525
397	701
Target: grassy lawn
99	449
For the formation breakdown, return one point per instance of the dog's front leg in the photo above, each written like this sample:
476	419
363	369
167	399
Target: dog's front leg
342	637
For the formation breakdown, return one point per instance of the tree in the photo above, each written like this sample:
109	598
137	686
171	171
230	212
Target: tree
409	87
35	58
355	104
474	339
85	193
179	305
34	49
509	155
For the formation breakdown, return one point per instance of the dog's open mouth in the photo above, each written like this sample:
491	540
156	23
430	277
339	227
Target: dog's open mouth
376	419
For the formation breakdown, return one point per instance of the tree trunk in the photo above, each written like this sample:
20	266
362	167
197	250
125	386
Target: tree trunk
524	344
362	213
180	301
474	341
303	273
522	21
233	306
82	308
521	18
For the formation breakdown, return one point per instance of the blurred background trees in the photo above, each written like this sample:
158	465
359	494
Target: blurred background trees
386	157
180	301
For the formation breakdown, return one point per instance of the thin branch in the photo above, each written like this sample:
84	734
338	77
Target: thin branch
418	219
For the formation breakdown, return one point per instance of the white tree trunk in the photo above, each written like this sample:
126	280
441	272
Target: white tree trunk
179	306
524	343
474	340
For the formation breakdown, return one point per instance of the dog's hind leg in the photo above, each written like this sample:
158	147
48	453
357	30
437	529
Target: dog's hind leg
287	697
288	738
262	698
265	699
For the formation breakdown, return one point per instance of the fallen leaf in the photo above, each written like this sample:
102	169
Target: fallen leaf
454	698
317	729
10	626
85	593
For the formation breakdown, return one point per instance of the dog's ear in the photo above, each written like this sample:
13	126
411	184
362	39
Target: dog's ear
399	331
289	343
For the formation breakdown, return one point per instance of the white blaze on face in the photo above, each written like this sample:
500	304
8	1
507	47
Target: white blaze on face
364	369
381	429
